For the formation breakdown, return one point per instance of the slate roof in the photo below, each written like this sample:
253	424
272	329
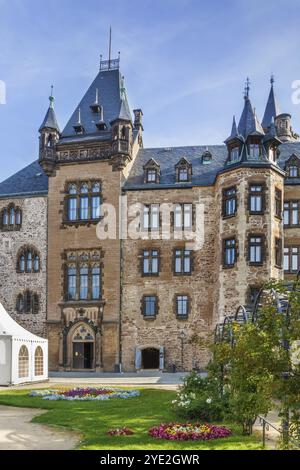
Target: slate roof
272	109
111	98
30	181
50	120
249	124
286	151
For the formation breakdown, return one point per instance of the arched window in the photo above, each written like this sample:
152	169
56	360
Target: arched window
23	362
28	303
38	361
28	261
82	202
83	276
11	218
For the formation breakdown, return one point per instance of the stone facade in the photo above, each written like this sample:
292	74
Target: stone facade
33	233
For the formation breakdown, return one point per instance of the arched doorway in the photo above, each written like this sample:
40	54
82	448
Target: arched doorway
150	358
83	343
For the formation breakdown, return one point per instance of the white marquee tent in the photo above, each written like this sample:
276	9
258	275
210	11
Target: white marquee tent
23	356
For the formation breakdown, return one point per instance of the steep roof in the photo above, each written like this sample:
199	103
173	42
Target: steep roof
249	124
50	120
272	109
30	181
111	97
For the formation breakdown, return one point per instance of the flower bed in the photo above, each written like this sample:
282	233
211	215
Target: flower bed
120	432
84	394
189	432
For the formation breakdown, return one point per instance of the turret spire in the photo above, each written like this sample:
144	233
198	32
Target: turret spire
272	109
50	121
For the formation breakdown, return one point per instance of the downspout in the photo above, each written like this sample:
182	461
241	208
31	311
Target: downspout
121	279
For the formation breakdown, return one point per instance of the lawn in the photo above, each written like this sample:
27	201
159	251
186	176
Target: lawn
93	419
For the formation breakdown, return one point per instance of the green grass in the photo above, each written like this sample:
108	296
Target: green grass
93	419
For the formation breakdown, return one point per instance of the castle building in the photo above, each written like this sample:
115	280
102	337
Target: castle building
135	302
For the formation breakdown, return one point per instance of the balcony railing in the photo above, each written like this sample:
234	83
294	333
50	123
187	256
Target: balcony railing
113	64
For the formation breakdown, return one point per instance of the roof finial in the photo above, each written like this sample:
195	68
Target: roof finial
247	88
272	79
51	97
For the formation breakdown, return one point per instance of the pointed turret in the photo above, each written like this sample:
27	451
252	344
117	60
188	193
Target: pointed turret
49	136
50	121
249	124
272	108
234	132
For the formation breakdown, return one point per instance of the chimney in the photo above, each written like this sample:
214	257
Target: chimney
138	118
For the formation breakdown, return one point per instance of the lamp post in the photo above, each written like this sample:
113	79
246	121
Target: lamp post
182	337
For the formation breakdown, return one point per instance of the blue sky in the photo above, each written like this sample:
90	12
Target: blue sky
184	61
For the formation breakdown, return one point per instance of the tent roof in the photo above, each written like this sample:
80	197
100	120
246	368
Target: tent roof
9	327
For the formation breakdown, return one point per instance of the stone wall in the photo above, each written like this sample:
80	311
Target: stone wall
33	232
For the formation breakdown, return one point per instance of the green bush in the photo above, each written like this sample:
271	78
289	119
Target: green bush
199	398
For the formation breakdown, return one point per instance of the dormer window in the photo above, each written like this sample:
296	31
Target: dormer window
293	171
151	172
206	157
183	171
151	176
234	154
254	151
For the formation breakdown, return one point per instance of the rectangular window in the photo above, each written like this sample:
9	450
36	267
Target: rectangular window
291	213
72	289
278	203
150	262
254	151
293	171
234	154
84	283
229	202
149	306
151	217
96	211
255	249
151	176
230	254
291	259
182	305
72	209
182	262
183	216
183	174
278	252
84	208
96	292
256	199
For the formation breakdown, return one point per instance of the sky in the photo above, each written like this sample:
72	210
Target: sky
185	63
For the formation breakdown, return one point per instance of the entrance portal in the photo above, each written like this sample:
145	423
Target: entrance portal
83	355
83	347
150	358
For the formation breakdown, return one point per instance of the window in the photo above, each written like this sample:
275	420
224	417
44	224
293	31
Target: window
182	261
291	259
182	306
256	199
278	203
23	362
254	151
183	174
150	262
38	362
183	171
206	157
151	172
291	213
183	217
83	202
151	176
255	249
28	303
229	202
230	252
293	171
28	261
234	154
83	276
151	217
149	306
272	154
278	252
11	218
